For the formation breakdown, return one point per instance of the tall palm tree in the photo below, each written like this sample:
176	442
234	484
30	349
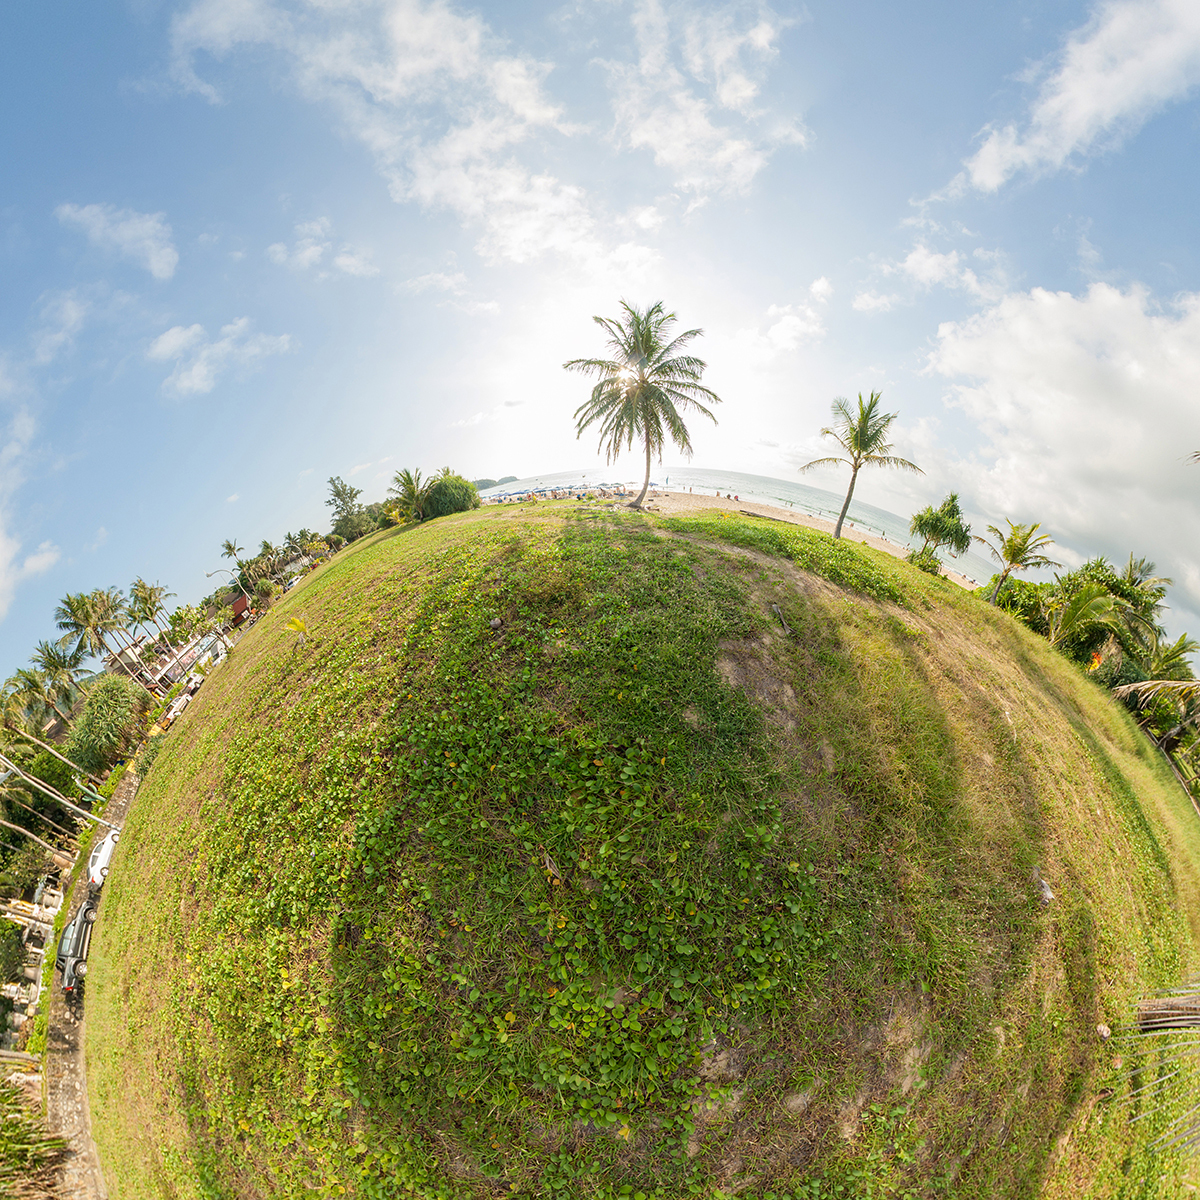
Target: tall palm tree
1020	549
14	720
148	603
61	669
862	435
79	618
31	691
643	386
230	548
410	492
118	617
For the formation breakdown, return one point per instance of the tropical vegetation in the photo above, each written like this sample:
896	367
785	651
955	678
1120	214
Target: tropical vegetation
939	527
862	434
1017	549
645	387
417	499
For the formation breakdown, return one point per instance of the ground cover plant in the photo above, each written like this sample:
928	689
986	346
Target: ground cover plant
572	854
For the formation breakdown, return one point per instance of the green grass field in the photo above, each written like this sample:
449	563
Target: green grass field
637	895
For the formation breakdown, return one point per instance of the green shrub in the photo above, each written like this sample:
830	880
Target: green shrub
12	951
450	494
110	784
111	723
57	774
925	560
145	757
29	1156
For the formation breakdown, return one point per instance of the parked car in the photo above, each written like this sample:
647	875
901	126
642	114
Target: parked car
101	857
73	948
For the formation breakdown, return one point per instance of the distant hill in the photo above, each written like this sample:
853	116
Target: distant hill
589	857
480	484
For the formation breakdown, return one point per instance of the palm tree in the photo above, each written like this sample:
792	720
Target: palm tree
147	603
76	614
862	436
1018	550
1169	660
1088	607
644	385
411	492
15	720
230	548
32	693
118	617
61	669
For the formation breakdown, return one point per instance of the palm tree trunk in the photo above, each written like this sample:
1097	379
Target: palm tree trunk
837	530
50	750
46	789
999	585
22	829
41	816
646	483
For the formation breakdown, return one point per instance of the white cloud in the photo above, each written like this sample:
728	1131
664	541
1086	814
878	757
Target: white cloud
232	499
174	342
432	95
437	280
63	315
143	237
821	289
929	267
1132	58
354	262
873	302
360	467
201	361
1088	403
693	65
496	413
787	327
312	245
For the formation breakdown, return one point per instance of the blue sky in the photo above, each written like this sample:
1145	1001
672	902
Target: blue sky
248	245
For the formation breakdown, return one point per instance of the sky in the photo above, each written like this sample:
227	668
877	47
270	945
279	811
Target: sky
248	245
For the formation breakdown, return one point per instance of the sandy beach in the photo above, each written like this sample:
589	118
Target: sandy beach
670	503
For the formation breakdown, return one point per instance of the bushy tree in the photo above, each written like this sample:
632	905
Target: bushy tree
110	725
941	526
56	773
343	498
354	525
450	493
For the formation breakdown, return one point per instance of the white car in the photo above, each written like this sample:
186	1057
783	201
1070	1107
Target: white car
101	857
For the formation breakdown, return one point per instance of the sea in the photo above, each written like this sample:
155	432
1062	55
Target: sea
782	493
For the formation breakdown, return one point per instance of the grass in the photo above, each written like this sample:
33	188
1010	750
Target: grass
635	895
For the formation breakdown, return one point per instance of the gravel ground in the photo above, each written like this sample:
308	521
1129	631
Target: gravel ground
66	1085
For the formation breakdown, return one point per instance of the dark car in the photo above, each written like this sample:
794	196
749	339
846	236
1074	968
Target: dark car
73	948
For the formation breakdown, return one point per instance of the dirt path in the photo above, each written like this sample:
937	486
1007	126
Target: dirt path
66	1084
